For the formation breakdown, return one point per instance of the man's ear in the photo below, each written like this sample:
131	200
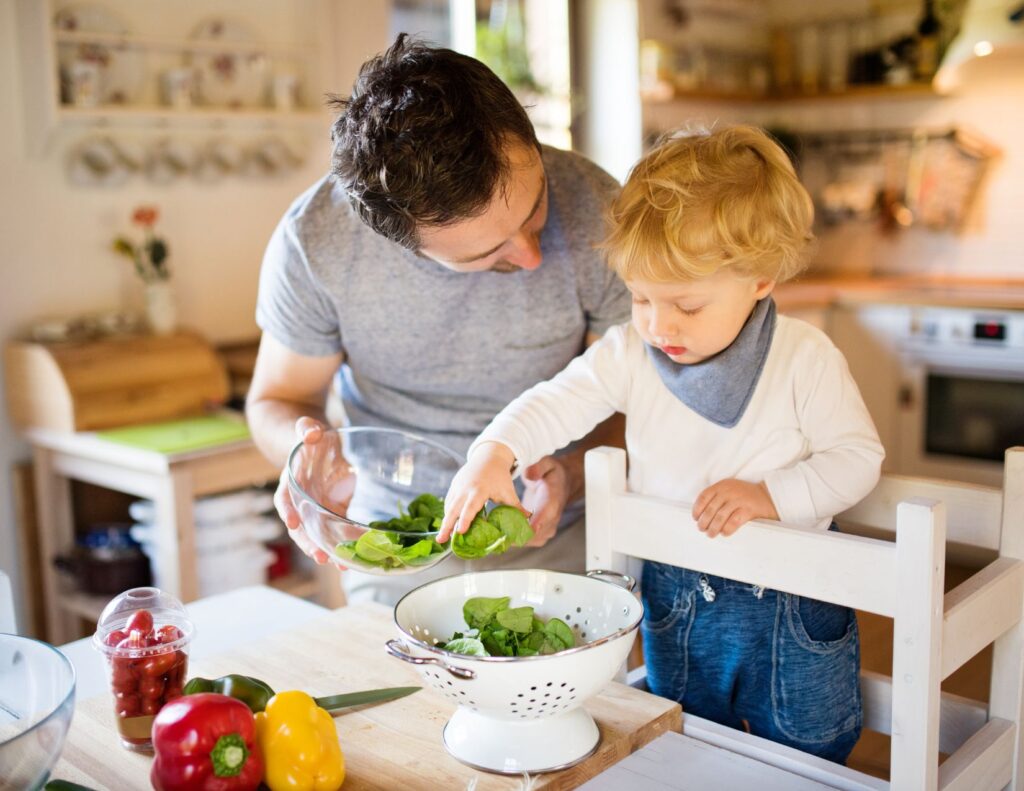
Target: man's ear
764	288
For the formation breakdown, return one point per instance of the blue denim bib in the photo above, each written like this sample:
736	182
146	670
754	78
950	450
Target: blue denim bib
720	388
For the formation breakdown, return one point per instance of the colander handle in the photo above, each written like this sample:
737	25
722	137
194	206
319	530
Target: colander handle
396	649
622	580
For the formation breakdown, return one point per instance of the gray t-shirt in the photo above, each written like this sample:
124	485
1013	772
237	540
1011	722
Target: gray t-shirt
432	351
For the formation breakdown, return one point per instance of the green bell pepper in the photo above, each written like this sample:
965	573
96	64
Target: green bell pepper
251	691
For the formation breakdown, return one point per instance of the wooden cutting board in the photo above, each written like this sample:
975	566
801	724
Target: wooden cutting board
394	745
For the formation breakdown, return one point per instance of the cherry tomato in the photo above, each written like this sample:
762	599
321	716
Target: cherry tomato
115	637
122	679
151	689
150	706
142	621
168	633
156	666
134	641
127	705
180	670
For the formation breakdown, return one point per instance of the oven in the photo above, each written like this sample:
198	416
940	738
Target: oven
960	400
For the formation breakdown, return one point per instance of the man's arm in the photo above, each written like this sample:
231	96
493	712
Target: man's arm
286	386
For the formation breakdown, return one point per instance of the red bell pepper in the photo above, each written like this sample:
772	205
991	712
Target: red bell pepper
205	742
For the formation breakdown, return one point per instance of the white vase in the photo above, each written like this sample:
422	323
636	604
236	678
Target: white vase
161	314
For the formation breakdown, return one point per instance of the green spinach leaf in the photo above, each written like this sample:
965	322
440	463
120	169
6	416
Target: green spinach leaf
508	631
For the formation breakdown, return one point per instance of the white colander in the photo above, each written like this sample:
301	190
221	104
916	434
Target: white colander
521	714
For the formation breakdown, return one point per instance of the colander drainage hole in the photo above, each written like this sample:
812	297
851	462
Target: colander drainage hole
564	683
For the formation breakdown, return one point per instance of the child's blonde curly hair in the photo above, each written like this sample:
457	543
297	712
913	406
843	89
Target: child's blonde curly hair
701	201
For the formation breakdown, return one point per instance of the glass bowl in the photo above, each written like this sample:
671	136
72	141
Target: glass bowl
37	700
346	503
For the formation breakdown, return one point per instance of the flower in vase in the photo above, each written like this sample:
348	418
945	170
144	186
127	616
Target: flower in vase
150	254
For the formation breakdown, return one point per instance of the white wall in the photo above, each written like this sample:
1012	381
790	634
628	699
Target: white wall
55	257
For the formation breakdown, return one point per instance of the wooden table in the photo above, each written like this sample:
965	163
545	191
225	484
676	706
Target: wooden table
395	745
171	480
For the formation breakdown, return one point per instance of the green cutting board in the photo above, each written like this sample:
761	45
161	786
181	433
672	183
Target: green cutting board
177	436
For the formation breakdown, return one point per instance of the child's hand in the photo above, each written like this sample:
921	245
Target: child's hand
486	476
728	505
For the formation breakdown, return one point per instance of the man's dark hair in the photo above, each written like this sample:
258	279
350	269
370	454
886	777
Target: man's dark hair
422	138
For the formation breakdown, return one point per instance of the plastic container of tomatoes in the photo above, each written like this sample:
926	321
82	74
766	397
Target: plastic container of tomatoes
145	635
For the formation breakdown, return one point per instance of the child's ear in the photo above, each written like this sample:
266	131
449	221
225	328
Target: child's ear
764	288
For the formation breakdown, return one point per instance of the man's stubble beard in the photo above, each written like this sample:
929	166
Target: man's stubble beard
505	268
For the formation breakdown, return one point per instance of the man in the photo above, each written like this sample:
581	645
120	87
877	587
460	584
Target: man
445	265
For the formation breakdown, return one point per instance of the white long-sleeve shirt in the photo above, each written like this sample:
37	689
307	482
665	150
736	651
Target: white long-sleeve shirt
806	432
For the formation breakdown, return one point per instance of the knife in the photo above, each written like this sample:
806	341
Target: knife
336	702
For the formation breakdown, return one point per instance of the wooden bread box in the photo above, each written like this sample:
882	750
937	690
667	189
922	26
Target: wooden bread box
113	381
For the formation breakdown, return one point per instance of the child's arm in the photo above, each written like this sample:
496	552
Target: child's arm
845	454
544	419
486	476
843	466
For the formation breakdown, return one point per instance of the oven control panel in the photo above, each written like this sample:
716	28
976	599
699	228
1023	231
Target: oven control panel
960	327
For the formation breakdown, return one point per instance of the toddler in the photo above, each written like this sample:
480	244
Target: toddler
743	412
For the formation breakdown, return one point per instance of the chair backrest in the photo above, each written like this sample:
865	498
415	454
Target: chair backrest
7	614
902	579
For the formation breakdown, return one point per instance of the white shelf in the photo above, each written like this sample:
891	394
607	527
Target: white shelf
177	45
49	121
142	115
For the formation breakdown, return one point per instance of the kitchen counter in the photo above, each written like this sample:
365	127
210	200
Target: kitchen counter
825	292
387	746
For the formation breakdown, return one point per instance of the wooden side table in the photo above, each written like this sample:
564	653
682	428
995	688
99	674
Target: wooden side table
172	482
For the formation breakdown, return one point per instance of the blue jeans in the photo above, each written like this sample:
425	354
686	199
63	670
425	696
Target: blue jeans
730	652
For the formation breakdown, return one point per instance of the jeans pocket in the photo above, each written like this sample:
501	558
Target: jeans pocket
815	671
666	632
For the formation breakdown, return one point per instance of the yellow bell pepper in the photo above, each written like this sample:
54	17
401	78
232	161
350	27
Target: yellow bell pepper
299	745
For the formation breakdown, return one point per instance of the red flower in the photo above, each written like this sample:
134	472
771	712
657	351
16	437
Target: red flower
145	216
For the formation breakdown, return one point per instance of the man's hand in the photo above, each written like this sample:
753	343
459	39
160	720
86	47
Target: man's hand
486	476
726	506
324	474
546	495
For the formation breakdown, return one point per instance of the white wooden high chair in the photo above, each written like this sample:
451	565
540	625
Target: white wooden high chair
934	633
